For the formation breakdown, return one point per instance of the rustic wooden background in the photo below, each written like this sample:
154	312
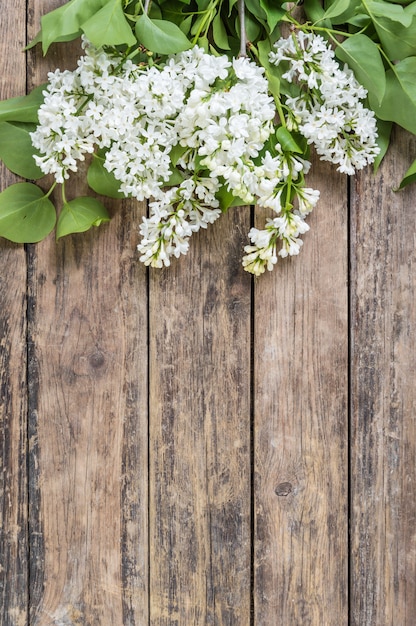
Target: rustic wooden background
189	447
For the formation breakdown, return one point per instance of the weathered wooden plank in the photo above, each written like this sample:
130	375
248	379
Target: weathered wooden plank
13	393
200	432
301	424
383	450
88	411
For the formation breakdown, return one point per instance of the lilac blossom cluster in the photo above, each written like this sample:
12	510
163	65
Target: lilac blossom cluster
328	112
183	133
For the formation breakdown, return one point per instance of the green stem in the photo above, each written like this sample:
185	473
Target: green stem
64	200
331	32
392	66
206	21
279	109
50	190
277	100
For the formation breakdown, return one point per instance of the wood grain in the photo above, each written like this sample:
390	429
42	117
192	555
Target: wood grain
200	433
383	445
301	424
13	390
236	512
88	416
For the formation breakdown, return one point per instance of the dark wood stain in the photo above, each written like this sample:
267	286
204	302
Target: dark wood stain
14	536
179	448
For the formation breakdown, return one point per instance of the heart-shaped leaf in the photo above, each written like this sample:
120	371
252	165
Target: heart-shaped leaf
274	13
409	177
101	180
65	21
219	33
161	36
26	214
109	27
383	141
16	150
227	199
341	11
363	57
396	28
79	215
22	108
287	141
399	102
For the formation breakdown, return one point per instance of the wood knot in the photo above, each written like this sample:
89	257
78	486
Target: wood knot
283	489
97	360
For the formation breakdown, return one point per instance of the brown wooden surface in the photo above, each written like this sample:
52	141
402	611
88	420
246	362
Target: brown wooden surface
200	433
301	424
189	447
383	366
14	546
88	334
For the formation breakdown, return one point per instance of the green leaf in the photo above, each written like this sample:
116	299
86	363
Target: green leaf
186	24
61	39
156	13
204	44
264	49
176	178
253	27
227	199
109	27
177	152
277	84
16	150
383	141
34	41
65	21
101	180
315	13
360	21
287	141
26	214
198	23
255	9
274	85
219	33
397	32
273	13
231	4
22	108
386	11
399	102
341	11
336	8
79	215
161	36
409	177
363	57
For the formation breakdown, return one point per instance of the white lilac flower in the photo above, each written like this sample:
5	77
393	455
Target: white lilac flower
328	111
180	212
136	114
62	136
262	254
228	123
218	111
307	199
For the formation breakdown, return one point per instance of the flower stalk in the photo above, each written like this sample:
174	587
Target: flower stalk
243	32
